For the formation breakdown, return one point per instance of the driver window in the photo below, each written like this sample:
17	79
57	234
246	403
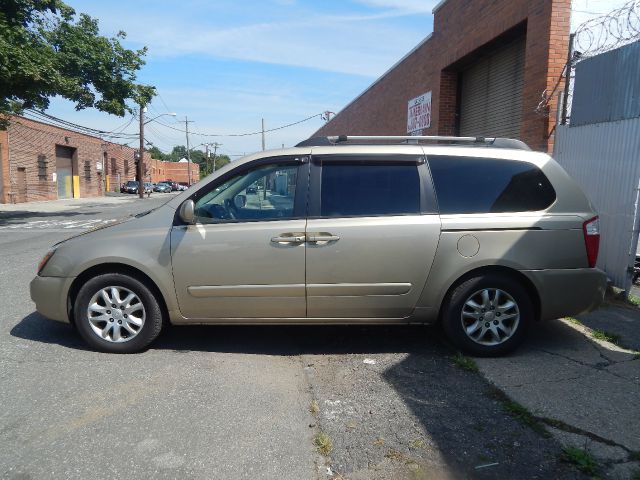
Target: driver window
264	193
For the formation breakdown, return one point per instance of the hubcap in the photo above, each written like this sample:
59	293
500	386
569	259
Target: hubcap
116	314
490	316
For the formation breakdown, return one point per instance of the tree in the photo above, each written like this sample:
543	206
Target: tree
46	50
156	153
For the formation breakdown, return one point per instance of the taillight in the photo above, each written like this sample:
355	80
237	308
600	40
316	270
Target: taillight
591	230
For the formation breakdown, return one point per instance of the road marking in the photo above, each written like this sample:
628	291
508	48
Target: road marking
57	224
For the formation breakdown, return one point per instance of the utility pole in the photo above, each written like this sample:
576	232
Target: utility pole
186	128
263	134
140	169
215	149
206	158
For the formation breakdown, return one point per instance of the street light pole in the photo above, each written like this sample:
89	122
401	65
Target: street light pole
140	168
186	128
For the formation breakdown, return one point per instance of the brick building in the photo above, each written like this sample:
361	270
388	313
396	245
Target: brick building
43	162
482	71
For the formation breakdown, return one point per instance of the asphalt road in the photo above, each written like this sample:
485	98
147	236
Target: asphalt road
236	402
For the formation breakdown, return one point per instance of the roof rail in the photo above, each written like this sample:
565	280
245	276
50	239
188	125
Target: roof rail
496	142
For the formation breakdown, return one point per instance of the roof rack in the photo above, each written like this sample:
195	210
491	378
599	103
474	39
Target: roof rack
495	142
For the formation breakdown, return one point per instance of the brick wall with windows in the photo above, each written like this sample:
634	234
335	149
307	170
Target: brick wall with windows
462	31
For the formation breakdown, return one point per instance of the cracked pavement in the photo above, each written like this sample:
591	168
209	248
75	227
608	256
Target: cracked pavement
588	389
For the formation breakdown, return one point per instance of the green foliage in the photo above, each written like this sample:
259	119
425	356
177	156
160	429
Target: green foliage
605	336
197	156
323	443
581	459
465	363
47	50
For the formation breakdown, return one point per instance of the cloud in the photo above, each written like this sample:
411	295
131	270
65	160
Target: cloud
359	42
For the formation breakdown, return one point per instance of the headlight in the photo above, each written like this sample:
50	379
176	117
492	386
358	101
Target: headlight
45	260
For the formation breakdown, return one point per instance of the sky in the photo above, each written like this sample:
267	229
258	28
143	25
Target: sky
226	64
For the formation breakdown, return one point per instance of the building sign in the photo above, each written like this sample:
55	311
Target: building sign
419	114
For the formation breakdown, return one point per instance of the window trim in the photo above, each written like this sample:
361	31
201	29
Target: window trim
301	193
428	205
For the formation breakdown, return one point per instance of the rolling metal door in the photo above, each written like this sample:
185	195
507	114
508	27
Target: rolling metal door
491	94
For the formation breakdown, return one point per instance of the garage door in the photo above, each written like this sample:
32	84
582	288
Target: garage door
491	93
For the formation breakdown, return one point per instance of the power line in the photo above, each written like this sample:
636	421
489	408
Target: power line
259	132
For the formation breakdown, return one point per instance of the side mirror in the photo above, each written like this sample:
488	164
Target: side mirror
240	201
187	212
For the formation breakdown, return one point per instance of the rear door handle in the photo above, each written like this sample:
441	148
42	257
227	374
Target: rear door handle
322	237
289	238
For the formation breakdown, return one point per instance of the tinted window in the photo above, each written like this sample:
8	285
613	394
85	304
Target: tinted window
369	189
489	185
262	193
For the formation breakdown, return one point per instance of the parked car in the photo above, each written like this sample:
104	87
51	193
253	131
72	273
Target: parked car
129	187
483	236
252	189
172	184
162	188
148	187
182	186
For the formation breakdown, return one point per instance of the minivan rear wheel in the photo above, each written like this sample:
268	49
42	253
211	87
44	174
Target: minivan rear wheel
487	315
116	313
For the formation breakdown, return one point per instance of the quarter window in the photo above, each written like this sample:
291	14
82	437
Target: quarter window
263	193
489	185
350	190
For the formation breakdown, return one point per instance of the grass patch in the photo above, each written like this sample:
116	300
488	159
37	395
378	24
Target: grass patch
465	363
605	336
575	321
634	456
398	456
314	408
518	412
581	459
417	445
323	443
633	300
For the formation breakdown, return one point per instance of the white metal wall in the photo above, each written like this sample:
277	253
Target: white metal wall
604	158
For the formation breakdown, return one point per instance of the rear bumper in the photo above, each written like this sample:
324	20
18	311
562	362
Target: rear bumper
50	296
568	292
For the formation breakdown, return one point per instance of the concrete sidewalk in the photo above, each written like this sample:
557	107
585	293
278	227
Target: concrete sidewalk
586	391
49	206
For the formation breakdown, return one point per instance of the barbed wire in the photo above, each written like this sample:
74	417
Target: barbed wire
606	32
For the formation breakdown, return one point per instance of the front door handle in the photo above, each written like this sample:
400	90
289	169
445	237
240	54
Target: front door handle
289	238
322	237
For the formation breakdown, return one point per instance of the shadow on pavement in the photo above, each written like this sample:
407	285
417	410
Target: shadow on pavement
252	339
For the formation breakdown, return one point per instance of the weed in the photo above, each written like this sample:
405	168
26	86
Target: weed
634	300
314	408
605	336
519	412
417	445
635	475
398	456
465	363
378	442
323	443
575	321
634	457
582	460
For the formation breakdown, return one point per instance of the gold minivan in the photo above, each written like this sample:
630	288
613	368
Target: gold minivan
482	235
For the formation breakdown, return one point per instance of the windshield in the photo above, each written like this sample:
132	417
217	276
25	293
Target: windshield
132	184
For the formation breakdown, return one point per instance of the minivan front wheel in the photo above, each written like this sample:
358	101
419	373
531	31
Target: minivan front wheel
117	313
487	315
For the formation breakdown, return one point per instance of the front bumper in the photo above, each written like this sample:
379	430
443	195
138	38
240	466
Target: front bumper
50	296
568	292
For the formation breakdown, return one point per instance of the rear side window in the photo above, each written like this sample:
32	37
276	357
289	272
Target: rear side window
489	185
362	189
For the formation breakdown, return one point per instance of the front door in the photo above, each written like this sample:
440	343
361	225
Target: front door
372	234
245	255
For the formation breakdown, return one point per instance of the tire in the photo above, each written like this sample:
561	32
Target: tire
507	325
130	327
